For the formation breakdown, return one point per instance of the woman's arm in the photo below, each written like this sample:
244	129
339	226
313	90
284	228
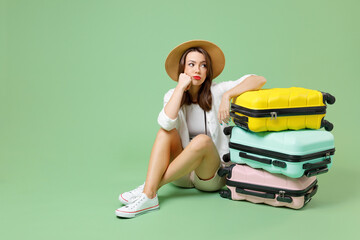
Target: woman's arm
250	83
173	106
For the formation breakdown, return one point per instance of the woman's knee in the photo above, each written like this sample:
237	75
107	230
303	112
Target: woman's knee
171	137
201	142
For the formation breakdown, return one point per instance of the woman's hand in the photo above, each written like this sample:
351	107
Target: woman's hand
184	82
224	109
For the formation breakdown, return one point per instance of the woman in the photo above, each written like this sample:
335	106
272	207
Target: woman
189	144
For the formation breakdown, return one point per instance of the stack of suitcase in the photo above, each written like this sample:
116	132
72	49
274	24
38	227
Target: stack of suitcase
277	146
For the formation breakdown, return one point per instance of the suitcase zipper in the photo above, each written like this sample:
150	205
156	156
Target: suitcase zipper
282	156
273	115
279	112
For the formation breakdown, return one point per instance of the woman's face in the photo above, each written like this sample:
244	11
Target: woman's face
195	67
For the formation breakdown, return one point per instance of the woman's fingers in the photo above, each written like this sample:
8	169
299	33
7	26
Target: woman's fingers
224	117
184	81
224	112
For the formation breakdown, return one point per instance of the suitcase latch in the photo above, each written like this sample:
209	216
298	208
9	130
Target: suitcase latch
273	115
281	194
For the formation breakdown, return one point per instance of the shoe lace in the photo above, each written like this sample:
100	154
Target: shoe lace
137	189
136	202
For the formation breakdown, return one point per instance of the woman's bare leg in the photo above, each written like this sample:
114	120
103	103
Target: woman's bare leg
200	155
167	146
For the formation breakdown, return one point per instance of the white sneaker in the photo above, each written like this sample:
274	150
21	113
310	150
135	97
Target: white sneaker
129	197
141	205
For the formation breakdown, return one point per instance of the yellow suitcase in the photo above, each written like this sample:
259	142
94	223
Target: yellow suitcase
281	109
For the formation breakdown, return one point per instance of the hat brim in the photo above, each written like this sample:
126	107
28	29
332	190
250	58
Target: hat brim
215	53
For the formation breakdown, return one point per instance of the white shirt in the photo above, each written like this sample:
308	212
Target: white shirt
195	119
220	140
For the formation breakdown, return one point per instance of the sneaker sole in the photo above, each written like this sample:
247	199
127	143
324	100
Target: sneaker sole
132	215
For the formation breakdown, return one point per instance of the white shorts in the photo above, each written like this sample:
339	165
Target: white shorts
192	180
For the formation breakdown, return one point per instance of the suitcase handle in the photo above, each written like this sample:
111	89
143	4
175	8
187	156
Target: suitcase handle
256	194
239	118
317	165
263	160
240	121
241	124
317	171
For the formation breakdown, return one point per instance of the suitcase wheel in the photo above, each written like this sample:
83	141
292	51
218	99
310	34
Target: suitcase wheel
330	99
222	172
227	130
226	157
225	193
328	125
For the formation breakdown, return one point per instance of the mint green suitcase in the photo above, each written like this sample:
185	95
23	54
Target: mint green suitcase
292	153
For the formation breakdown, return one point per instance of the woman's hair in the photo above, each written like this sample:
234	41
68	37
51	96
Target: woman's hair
204	98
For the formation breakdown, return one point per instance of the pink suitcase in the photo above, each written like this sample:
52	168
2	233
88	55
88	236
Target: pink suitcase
260	186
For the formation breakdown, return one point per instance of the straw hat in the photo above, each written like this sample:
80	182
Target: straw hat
216	55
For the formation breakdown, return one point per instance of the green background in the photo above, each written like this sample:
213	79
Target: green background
82	83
